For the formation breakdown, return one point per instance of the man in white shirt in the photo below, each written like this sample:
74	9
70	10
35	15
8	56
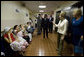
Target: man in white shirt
62	29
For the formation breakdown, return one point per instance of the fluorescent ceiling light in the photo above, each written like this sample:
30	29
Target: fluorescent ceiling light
67	8
41	10
42	6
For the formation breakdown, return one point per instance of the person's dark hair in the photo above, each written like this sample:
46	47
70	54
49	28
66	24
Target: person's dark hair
39	14
15	27
29	18
45	16
27	22
20	25
50	15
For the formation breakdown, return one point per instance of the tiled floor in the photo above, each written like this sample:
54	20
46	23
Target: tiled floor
44	47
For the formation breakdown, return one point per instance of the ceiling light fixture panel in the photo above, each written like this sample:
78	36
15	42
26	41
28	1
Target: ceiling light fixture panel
42	6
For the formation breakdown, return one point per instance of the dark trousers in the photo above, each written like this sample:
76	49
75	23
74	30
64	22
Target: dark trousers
58	40
50	27
60	43
27	38
38	30
41	28
45	31
35	25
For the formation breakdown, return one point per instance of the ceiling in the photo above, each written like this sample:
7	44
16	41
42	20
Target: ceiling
50	5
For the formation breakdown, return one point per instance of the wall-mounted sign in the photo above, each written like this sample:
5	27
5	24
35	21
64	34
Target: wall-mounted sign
26	14
17	10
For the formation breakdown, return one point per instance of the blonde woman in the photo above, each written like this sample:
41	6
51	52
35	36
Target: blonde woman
62	28
77	31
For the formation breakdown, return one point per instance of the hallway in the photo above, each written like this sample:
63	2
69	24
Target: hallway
44	47
26	17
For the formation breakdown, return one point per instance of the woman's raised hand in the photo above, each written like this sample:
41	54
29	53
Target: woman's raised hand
54	23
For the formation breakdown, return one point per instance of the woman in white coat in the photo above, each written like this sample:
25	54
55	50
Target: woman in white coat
62	29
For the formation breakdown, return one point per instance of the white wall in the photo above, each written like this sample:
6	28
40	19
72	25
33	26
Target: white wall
9	16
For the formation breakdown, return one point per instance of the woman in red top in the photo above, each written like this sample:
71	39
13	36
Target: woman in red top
9	37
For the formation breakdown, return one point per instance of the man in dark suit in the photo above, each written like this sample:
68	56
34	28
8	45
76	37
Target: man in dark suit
45	23
39	24
51	24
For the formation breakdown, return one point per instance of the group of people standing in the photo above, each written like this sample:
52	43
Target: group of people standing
71	31
45	24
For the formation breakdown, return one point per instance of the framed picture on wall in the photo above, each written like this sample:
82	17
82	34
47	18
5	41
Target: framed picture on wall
17	10
26	14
